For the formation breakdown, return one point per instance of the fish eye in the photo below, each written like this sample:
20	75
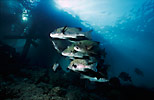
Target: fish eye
74	66
77	47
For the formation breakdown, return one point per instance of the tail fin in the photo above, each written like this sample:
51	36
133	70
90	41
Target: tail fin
55	66
88	34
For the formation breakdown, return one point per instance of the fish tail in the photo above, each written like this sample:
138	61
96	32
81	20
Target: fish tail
88	34
55	66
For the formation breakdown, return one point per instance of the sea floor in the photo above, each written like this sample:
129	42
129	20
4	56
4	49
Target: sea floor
40	83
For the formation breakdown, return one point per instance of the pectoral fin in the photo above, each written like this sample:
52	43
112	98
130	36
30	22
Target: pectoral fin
89	47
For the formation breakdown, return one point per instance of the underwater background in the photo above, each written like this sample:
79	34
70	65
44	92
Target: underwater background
125	28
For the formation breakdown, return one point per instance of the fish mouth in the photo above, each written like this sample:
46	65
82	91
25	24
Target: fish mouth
65	54
52	35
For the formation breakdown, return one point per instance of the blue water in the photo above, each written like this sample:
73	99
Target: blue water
124	27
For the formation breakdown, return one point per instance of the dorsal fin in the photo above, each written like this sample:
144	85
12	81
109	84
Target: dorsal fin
64	29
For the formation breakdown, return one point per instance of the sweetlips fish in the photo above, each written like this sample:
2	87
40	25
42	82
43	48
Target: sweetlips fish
70	52
69	32
95	79
87	46
87	71
82	64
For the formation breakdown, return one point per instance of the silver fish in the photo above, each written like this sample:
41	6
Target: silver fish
82	64
69	32
87	46
70	52
94	78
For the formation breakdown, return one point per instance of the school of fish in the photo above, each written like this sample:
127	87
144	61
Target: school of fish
85	55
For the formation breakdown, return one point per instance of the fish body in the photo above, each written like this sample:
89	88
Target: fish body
69	32
70	52
125	76
95	79
138	72
82	64
85	45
